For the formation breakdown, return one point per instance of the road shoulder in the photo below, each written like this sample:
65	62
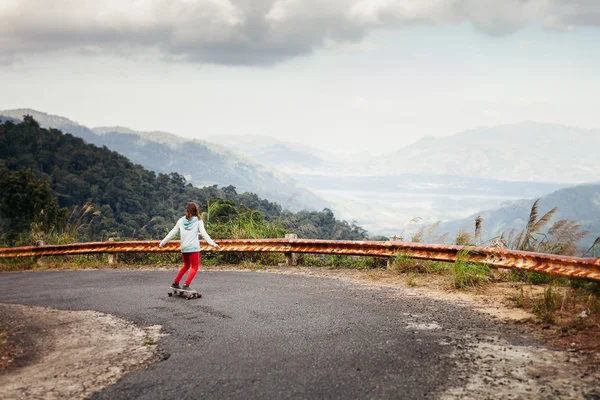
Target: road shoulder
95	351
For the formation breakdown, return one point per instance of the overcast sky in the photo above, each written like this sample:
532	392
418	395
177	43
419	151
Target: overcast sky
343	75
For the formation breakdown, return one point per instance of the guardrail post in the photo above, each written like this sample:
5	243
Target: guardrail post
38	259
112	257
393	238
499	243
291	258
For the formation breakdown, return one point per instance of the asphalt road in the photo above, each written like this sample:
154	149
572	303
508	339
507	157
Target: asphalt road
270	336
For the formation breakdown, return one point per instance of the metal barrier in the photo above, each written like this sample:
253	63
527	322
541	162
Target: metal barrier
575	267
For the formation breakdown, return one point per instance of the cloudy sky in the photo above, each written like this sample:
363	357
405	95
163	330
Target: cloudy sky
343	75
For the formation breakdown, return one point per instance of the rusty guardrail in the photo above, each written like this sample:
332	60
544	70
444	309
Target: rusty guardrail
575	267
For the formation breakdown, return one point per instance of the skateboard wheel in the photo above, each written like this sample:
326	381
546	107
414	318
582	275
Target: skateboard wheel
170	294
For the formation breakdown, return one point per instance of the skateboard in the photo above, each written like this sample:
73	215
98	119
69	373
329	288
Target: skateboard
188	294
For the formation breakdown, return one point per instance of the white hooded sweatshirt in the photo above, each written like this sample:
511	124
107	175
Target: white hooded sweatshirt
188	233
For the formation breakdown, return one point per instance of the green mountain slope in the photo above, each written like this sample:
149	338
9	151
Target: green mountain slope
202	163
129	201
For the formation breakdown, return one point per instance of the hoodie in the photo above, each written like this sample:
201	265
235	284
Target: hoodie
188	233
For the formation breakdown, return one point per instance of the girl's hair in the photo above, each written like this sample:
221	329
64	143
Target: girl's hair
192	210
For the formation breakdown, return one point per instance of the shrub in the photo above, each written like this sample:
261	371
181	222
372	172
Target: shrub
467	273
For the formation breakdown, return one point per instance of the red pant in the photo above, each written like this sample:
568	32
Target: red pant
190	260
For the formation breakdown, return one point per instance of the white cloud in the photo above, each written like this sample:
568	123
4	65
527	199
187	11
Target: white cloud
502	17
572	13
254	31
362	46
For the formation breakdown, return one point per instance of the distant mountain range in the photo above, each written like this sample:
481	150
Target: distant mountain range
202	163
3	119
422	183
527	151
524	152
580	203
290	158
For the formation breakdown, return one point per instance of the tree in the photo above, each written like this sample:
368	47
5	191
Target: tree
25	200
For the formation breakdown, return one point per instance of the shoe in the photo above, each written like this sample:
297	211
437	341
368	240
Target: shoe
175	285
186	287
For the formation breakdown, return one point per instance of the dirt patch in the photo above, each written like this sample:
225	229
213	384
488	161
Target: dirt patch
95	351
490	368
17	347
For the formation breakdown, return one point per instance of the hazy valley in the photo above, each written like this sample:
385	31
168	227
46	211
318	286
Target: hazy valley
450	179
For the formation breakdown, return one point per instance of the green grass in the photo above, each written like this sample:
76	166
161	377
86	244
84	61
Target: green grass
351	262
535	278
519	298
411	281
310	260
254	266
545	306
402	263
468	274
337	261
588	286
561	304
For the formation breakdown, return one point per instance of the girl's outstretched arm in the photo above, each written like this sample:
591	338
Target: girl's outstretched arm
170	235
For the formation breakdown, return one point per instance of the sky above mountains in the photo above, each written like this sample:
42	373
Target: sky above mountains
345	76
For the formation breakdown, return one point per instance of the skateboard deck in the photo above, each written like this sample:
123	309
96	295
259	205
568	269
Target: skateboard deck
188	294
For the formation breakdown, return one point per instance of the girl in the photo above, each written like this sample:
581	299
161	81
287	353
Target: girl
188	228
